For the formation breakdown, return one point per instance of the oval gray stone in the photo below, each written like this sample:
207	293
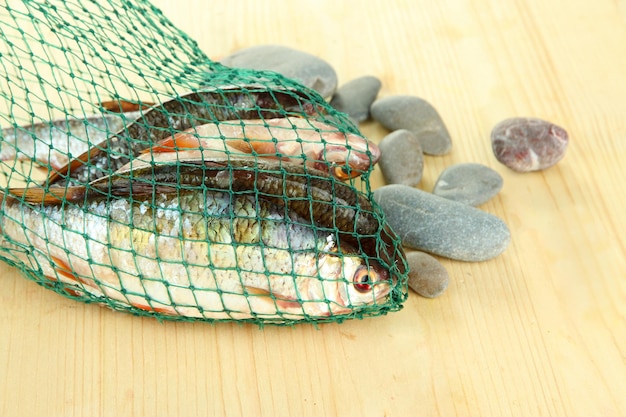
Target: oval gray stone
303	67
427	276
418	116
355	97
401	160
440	226
469	183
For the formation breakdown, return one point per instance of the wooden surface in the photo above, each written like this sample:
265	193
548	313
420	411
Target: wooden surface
539	331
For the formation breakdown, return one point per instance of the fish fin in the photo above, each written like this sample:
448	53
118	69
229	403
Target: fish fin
123	106
240	145
153	309
180	141
50	278
261	147
281	301
38	195
62	268
285	304
73	292
68	290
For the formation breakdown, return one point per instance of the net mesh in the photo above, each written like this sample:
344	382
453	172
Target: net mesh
139	174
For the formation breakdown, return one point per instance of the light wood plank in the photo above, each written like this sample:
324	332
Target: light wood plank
539	331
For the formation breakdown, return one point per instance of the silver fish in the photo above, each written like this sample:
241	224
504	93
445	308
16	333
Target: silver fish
178	114
192	251
54	143
293	139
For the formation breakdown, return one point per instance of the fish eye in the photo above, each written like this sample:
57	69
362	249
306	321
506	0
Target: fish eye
343	174
340	172
362	280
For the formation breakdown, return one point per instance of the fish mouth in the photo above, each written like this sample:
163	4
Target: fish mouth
346	162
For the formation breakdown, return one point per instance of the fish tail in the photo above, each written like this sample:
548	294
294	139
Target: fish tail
40	195
124	106
154	309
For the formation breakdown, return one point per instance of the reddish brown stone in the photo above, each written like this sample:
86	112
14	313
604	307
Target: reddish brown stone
527	144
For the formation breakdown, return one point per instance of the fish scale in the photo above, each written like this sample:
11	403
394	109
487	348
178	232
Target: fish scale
318	249
54	142
206	254
164	120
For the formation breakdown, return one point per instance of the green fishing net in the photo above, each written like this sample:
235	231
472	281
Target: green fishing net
139	174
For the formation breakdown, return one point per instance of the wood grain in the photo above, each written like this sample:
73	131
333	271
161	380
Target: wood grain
539	331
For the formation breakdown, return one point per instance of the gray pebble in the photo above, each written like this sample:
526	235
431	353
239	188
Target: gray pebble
470	183
308	69
440	226
427	276
401	160
418	116
355	97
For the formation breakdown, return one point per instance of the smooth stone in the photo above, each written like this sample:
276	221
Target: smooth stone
469	183
355	97
528	144
443	227
427	276
401	160
417	115
301	66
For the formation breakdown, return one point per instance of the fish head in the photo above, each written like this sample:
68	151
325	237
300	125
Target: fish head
368	283
342	285
348	283
322	146
346	156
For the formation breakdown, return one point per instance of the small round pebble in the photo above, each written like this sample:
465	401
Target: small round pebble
427	276
401	160
443	227
355	97
301	66
418	116
528	144
469	183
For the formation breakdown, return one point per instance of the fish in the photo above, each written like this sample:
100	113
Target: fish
54	143
172	241
292	139
310	193
344	155
178	114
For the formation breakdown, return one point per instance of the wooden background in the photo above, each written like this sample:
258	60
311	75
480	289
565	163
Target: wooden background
539	331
